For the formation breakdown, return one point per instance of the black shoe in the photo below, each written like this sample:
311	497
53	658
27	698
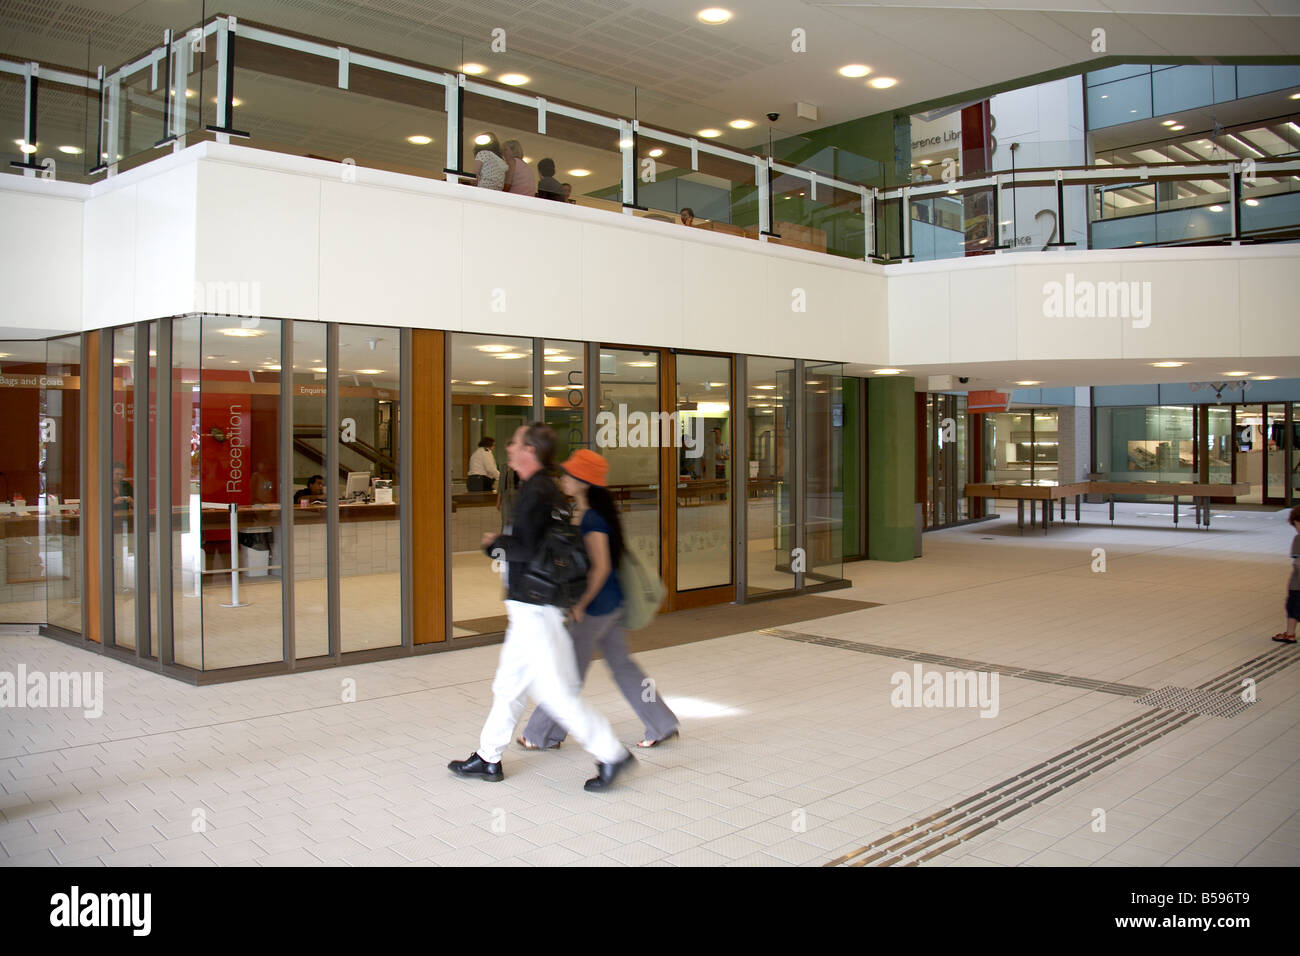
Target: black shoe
606	772
476	766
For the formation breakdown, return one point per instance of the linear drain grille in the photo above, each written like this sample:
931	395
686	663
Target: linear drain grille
961	663
1190	700
927	838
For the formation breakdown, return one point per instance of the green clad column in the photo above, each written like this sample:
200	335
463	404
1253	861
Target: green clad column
891	468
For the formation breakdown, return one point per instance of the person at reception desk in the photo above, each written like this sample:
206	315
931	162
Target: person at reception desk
123	493
483	472
314	493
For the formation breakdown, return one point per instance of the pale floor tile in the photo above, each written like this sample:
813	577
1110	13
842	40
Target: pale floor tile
289	774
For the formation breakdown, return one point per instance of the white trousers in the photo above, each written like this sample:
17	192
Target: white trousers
537	661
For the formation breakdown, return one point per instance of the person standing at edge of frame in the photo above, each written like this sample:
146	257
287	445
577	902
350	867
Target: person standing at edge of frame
537	658
1293	585
598	615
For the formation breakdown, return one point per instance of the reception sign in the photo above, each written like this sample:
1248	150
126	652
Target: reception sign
225	439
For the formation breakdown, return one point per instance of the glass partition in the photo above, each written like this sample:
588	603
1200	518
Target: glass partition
491	396
189	560
770	477
566	395
124	483
1220	444
823	488
1146	443
370	565
60	438
629	392
703	484
22	571
310	556
720	192
238	473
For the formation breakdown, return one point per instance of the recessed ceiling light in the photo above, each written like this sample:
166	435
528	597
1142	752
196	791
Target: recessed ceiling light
493	349
580	172
1105	96
480	383
1178	128
370	371
1235	374
1216	208
1029	382
952	192
270	368
500	394
882	82
1252	202
482	139
558	358
624	144
717	384
512	355
1168	364
236	101
25	146
854	70
473	69
741	124
767	387
513	79
642	364
550	371
320	369
1263	378
926	162
419	140
709	133
243	333
713	16
189	94
1169	122
1295	96
70	150
656	152
552	351
887	371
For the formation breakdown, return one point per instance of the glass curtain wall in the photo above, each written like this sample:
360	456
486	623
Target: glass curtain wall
629	393
770	478
370	570
188	557
491	396
703	485
1145	443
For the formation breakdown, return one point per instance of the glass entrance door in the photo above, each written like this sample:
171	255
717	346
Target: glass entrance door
1249	436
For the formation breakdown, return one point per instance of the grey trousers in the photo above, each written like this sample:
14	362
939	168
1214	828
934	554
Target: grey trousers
605	633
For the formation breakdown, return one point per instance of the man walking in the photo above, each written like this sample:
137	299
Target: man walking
537	659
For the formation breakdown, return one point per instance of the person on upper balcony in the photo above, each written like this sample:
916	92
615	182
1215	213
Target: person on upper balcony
519	178
491	168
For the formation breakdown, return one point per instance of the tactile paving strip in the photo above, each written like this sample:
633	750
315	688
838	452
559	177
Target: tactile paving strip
1190	700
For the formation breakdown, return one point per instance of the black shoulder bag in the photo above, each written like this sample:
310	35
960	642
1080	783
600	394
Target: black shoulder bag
557	573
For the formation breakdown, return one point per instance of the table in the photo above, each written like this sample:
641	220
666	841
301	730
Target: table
1200	493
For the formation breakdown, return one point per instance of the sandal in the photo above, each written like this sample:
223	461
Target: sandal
1284	638
529	745
655	743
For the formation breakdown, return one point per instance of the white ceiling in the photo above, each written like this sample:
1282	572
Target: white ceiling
1002	376
688	75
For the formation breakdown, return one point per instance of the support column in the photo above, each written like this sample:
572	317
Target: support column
891	468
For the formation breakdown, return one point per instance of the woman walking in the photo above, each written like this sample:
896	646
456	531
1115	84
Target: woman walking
598	615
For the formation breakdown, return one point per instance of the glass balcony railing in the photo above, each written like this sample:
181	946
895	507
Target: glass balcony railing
613	146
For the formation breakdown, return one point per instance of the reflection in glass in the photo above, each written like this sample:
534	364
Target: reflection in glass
565	390
770	479
188	556
310	567
704	470
238	444
60	433
370	565
124	486
824	472
629	388
22	571
491	396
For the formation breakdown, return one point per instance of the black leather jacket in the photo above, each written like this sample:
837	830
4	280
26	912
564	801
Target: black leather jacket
530	513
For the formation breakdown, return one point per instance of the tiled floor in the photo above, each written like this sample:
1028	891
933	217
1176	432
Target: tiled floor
792	752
